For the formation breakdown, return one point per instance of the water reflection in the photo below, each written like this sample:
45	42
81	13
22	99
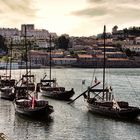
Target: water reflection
100	127
28	128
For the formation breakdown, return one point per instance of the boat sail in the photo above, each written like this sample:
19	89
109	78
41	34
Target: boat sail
26	101
101	100
50	88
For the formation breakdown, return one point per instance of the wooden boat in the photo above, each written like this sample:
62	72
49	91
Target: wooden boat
32	107
109	106
101	101
5	80
7	83
50	88
7	93
7	87
27	104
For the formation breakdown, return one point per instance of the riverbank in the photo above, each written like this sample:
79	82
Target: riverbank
116	63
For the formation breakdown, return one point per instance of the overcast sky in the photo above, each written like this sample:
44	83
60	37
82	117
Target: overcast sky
74	17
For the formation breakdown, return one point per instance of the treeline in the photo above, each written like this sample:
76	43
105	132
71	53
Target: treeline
135	31
3	46
62	42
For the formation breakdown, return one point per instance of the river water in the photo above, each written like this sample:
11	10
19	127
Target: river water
74	122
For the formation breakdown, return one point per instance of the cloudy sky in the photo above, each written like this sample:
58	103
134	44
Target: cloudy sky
74	17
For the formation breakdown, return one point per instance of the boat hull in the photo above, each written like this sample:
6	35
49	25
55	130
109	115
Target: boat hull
25	108
37	112
124	113
59	95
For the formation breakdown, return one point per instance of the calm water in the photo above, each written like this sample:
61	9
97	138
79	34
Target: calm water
74	122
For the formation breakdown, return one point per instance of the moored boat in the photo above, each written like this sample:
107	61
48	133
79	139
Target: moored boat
26	103
7	93
106	104
49	87
110	107
7	82
7	88
38	109
101	101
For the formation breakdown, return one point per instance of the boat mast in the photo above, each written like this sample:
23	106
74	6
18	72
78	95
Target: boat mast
10	58
26	51
6	66
104	64
30	57
7	61
50	56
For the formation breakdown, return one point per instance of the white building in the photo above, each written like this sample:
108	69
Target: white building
9	32
42	43
137	40
135	48
38	34
40	37
63	61
16	39
78	47
28	27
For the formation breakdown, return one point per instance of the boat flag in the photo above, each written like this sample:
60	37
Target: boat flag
95	80
33	102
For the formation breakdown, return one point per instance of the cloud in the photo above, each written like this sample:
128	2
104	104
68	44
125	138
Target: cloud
113	1
18	7
112	10
98	1
91	12
16	12
124	13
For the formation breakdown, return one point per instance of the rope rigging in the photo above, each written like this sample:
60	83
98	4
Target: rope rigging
132	87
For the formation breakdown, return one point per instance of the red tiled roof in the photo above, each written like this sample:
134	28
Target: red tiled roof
84	56
64	59
118	59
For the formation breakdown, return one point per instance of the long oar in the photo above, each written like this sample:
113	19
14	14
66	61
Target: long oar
83	93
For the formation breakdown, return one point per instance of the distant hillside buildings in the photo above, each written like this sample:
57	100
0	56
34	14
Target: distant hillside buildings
81	51
39	36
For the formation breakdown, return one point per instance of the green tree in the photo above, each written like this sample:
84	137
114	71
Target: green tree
3	46
5	58
24	56
128	52
63	42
